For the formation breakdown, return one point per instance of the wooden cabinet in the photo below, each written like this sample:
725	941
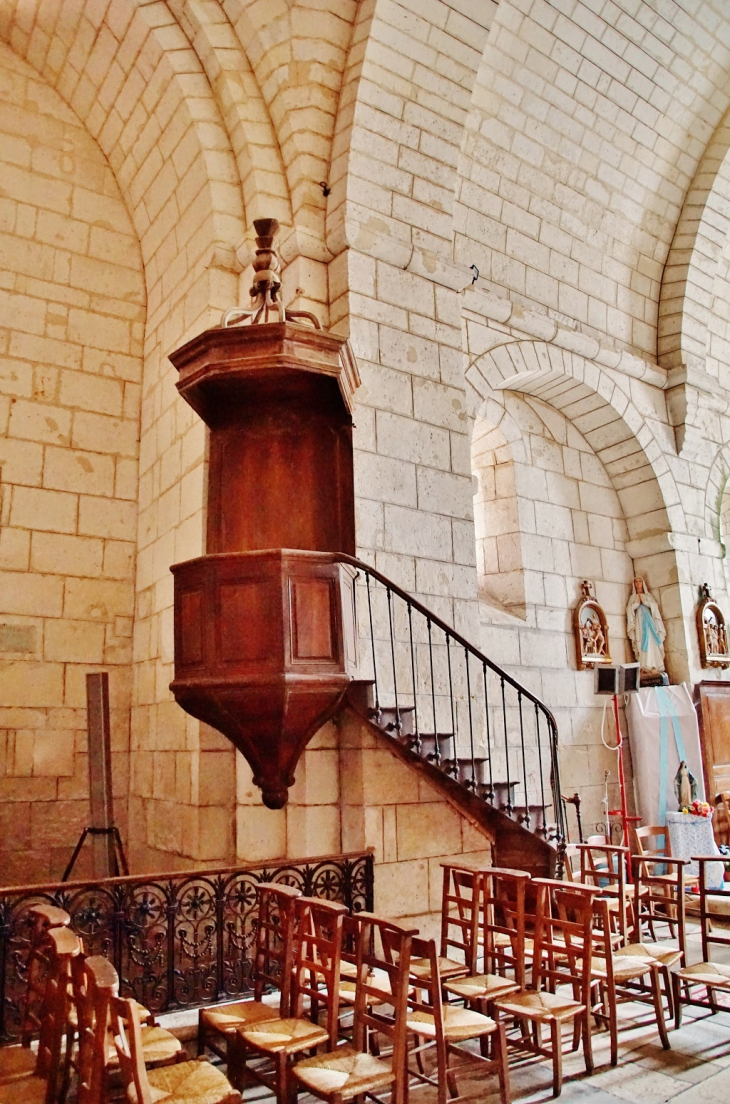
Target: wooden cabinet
714	718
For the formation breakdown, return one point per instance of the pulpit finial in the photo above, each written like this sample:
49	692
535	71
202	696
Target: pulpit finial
266	284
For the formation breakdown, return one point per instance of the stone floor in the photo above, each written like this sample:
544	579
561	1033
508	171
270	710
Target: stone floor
696	1070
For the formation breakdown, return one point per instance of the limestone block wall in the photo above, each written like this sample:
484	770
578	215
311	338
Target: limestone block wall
352	792
72	309
412	828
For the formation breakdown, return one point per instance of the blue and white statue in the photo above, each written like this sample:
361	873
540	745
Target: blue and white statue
645	629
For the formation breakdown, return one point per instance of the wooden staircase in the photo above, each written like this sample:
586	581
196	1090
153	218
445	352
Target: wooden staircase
485	741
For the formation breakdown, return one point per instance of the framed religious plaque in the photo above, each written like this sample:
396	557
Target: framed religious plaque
711	631
591	630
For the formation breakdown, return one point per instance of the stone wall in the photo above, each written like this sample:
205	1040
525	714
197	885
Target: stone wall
493	201
72	309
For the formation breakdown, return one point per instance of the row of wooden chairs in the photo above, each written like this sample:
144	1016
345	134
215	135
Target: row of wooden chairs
532	953
86	1032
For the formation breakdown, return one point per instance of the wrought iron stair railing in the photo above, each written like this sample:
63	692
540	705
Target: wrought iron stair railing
435	692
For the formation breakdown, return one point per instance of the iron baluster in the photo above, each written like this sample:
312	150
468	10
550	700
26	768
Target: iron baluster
542	777
455	759
398	723
220	941
524	760
473	785
417	741
490	794
376	714
4	934
171	911
433	684
509	805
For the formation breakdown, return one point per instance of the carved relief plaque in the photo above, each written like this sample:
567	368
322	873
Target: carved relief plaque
591	630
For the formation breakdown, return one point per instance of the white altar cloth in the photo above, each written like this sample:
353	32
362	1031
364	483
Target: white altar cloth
663	729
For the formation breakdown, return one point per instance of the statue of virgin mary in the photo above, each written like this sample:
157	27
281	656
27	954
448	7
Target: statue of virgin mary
645	629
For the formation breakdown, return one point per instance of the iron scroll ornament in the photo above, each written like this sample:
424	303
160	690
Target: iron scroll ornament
176	940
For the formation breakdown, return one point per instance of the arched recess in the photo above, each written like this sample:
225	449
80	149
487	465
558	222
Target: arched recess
497	528
621	437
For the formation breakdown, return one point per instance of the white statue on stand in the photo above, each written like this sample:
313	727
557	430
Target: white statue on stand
645	629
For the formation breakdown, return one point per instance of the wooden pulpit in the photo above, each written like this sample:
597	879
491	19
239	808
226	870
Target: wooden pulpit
264	628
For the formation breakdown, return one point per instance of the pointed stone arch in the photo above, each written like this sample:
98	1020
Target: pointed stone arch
622	438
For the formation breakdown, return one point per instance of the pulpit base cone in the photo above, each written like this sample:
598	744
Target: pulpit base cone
270	724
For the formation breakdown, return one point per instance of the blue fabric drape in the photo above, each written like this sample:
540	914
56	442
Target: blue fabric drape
667	713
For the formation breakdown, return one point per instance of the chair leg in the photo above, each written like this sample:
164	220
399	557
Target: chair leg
659	1008
557	1048
236	1060
500	1045
677	999
613	1029
587	1041
444	1074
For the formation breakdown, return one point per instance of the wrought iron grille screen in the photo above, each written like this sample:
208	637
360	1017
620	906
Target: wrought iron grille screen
176	940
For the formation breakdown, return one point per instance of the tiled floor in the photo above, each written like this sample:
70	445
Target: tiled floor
696	1070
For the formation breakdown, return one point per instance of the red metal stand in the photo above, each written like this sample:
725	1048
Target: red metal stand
623	812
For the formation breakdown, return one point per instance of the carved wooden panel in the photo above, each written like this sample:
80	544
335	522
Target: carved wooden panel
191	624
312	614
245	621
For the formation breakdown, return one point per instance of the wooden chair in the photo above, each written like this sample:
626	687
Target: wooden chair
19	1061
660	898
503	927
563	950
442	1027
572	860
43	1084
652	840
382	976
273	970
318	946
614	971
605	866
94	982
713	976
722	818
183	1083
459	923
90	980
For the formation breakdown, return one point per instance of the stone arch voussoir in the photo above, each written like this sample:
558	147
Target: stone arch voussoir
603	413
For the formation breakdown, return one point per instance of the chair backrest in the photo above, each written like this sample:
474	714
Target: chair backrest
44	918
94	982
659	893
383	964
318	950
652	839
503	914
460	902
425	989
572	859
604	865
711	935
564	918
64	946
274	956
722	817
128	1042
